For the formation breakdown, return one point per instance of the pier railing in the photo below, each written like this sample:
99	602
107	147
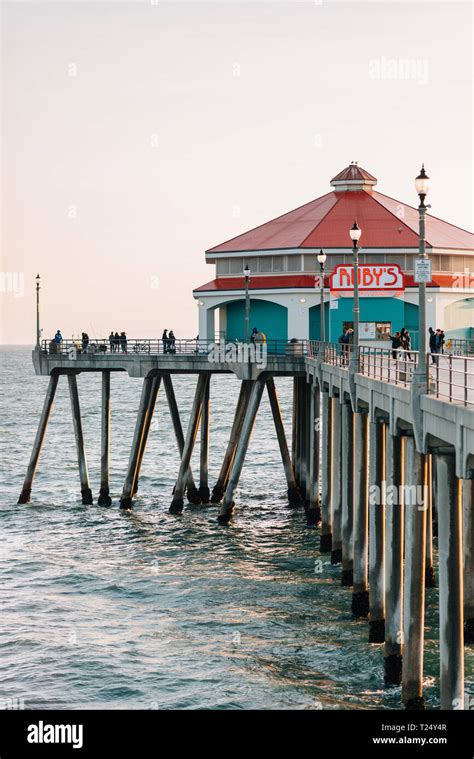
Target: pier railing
155	346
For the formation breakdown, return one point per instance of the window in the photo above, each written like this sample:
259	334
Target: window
445	263
434	262
375	330
278	263
265	263
252	263
222	267
294	263
236	266
374	258
310	263
333	260
396	259
458	263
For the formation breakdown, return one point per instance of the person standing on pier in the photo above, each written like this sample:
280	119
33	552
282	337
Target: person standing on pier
112	342
396	344
85	341
164	338
172	342
116	341
433	349
406	343
123	342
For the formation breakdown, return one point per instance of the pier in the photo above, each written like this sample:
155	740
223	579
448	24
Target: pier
376	465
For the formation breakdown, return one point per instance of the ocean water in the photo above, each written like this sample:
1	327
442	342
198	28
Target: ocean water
146	610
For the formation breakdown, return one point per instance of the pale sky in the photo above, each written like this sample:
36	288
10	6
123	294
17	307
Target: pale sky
136	135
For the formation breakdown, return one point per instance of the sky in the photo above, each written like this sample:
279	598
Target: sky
138	134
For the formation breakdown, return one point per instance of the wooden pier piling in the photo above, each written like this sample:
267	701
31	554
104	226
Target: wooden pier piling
376	531
394	533
347	494
451	637
415	478
326	473
294	497
25	494
360	593
104	498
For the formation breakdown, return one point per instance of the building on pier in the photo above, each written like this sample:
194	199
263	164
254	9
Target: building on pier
284	281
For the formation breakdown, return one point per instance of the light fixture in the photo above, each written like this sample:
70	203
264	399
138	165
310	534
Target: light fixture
422	184
246	271
302	300
355	232
321	258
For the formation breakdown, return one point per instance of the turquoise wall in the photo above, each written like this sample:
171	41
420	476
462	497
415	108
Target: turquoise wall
394	310
270	318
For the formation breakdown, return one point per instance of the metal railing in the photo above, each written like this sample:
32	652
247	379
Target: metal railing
145	346
452	377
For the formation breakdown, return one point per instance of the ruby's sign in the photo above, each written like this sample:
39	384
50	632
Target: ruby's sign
372	277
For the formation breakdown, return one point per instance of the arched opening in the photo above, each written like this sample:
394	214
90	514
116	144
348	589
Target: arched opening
266	316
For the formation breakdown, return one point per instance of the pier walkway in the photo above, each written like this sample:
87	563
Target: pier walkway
381	461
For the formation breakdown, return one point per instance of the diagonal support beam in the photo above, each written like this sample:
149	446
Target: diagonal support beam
192	491
226	509
129	484
37	445
81	452
193	426
146	430
294	495
242	403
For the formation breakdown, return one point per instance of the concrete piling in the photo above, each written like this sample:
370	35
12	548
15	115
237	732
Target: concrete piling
227	506
394	532
302	411
25	494
204	493
451	634
430	577
191	489
104	496
468	559
415	478
294	496
81	452
146	428
326	473
376	531
336	489
177	503
240	409
129	484
360	593
308	424
347	494
313	516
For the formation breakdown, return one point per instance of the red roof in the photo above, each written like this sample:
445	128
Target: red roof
324	223
301	281
352	172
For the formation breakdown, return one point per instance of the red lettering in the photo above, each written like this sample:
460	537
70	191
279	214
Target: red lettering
394	272
345	278
377	274
367	277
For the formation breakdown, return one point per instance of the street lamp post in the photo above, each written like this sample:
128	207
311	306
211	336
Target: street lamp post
422	187
355	233
38	334
322	261
247	303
